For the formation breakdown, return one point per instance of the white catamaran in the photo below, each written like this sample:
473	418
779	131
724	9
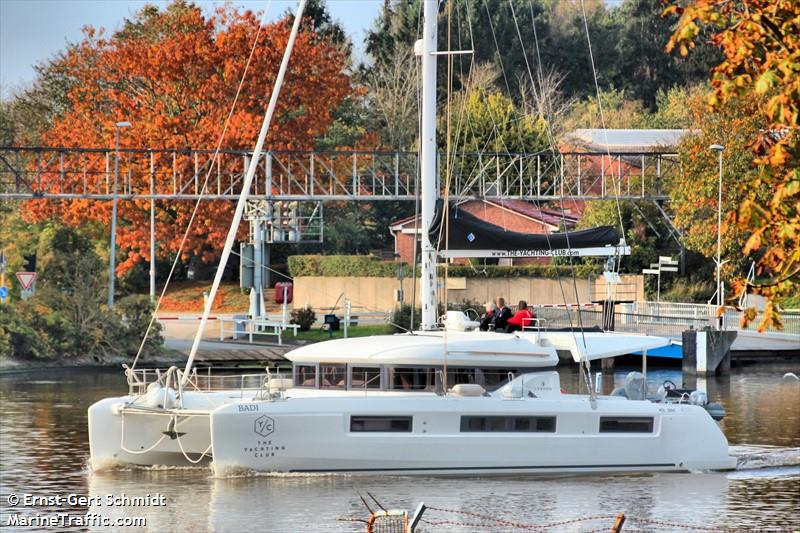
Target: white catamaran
441	400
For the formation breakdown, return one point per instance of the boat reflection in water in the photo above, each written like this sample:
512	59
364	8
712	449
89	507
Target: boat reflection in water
281	502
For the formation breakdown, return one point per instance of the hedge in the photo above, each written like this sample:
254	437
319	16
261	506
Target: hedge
344	266
372	267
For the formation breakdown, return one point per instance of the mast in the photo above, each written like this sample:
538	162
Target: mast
428	163
248	181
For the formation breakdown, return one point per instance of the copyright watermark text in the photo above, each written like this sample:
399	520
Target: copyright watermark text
42	510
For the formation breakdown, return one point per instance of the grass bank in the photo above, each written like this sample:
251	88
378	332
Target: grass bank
316	334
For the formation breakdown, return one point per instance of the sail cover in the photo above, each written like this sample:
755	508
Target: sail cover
470	236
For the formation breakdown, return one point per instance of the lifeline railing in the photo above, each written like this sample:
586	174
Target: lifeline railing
139	379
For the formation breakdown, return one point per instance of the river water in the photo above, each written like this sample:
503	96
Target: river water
44	451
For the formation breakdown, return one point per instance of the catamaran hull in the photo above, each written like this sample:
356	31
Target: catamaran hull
120	436
314	435
309	436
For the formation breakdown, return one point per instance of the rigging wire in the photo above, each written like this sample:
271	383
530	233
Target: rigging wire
203	188
609	308
554	150
586	367
556	153
502	141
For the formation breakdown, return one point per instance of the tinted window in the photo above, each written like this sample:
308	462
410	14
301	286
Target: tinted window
381	423
365	377
332	376
413	379
305	376
492	378
529	424
626	424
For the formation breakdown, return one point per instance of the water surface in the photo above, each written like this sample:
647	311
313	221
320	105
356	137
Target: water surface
44	451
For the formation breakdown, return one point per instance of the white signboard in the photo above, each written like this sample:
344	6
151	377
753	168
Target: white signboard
600	251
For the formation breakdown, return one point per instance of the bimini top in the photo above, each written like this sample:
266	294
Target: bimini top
464	349
469	236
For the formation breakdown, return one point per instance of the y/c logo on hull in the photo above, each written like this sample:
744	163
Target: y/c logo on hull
264	426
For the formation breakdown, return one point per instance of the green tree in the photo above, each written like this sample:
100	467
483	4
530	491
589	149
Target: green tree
68	318
645	69
693	191
492	123
619	111
646	231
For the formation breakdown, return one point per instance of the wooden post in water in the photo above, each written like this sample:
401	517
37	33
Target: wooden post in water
617	527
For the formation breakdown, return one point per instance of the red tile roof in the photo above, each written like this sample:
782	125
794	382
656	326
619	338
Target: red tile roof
548	216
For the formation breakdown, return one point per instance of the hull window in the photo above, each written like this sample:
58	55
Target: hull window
381	424
506	424
626	424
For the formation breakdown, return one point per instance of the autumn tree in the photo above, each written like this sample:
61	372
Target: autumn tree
174	74
693	189
760	40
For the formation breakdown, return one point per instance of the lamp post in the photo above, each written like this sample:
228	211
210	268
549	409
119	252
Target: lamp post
719	149
113	256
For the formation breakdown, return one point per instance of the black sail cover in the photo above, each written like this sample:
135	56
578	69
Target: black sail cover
470	236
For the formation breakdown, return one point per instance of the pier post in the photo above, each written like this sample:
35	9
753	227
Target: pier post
706	352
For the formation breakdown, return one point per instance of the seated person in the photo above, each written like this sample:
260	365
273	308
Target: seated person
501	316
487	317
523	317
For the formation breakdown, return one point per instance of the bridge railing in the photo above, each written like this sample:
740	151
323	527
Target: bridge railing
42	172
658	318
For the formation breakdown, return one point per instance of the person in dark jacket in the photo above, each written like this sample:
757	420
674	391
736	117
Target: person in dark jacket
502	315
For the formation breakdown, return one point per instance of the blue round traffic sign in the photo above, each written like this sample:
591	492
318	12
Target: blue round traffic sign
3	293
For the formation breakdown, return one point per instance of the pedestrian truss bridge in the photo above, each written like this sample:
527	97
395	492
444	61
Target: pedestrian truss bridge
144	174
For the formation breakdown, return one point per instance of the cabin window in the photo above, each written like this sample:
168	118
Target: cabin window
506	424
332	376
305	376
626	424
493	378
457	376
413	379
364	377
381	424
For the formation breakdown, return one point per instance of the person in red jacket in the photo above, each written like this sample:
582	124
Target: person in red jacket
522	318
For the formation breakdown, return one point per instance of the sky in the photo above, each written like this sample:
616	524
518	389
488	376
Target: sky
31	31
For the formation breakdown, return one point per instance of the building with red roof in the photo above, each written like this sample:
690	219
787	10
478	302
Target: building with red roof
513	215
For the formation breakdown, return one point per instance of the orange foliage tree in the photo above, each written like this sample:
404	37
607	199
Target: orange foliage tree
174	74
760	40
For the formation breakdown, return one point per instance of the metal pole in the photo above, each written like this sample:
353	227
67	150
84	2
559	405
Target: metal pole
152	231
658	290
346	316
113	255
719	231
428	164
